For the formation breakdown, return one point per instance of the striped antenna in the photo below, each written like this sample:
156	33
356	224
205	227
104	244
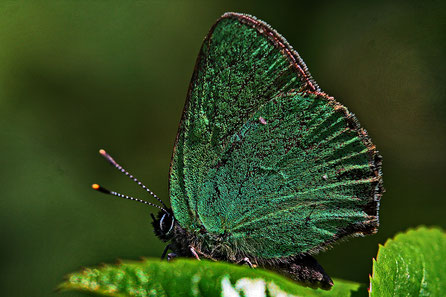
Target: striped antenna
108	192
120	168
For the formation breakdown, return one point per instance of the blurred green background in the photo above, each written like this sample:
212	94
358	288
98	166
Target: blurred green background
76	76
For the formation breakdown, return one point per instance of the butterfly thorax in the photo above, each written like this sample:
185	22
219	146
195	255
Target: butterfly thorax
207	245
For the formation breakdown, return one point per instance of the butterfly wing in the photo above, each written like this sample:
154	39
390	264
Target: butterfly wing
242	64
297	176
265	157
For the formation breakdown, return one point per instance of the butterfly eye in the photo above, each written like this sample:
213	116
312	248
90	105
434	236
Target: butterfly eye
166	223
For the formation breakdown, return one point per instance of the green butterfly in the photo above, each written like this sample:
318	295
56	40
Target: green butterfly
267	169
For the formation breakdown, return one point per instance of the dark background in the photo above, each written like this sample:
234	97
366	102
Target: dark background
76	76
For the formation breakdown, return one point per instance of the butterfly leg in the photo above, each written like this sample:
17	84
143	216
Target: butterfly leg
171	256
246	261
194	253
165	251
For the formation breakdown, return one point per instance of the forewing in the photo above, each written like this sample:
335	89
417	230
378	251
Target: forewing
298	175
242	64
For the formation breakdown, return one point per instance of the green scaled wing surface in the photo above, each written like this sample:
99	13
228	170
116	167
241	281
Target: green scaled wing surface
262	155
242	64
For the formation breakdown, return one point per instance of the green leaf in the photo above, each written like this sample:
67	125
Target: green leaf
411	264
186	277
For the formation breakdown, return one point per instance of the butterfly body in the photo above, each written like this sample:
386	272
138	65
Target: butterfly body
302	268
267	169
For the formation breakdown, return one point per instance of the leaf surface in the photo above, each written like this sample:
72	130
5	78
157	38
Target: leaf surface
191	278
411	264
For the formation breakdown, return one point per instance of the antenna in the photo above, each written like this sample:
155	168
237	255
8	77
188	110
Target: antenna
108	192
120	168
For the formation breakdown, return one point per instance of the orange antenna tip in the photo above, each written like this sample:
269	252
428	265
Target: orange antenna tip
119	167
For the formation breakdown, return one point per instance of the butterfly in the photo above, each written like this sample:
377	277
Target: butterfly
267	170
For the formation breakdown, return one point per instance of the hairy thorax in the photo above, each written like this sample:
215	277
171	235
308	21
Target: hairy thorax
206	245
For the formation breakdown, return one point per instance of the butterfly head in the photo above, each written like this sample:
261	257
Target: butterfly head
164	224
